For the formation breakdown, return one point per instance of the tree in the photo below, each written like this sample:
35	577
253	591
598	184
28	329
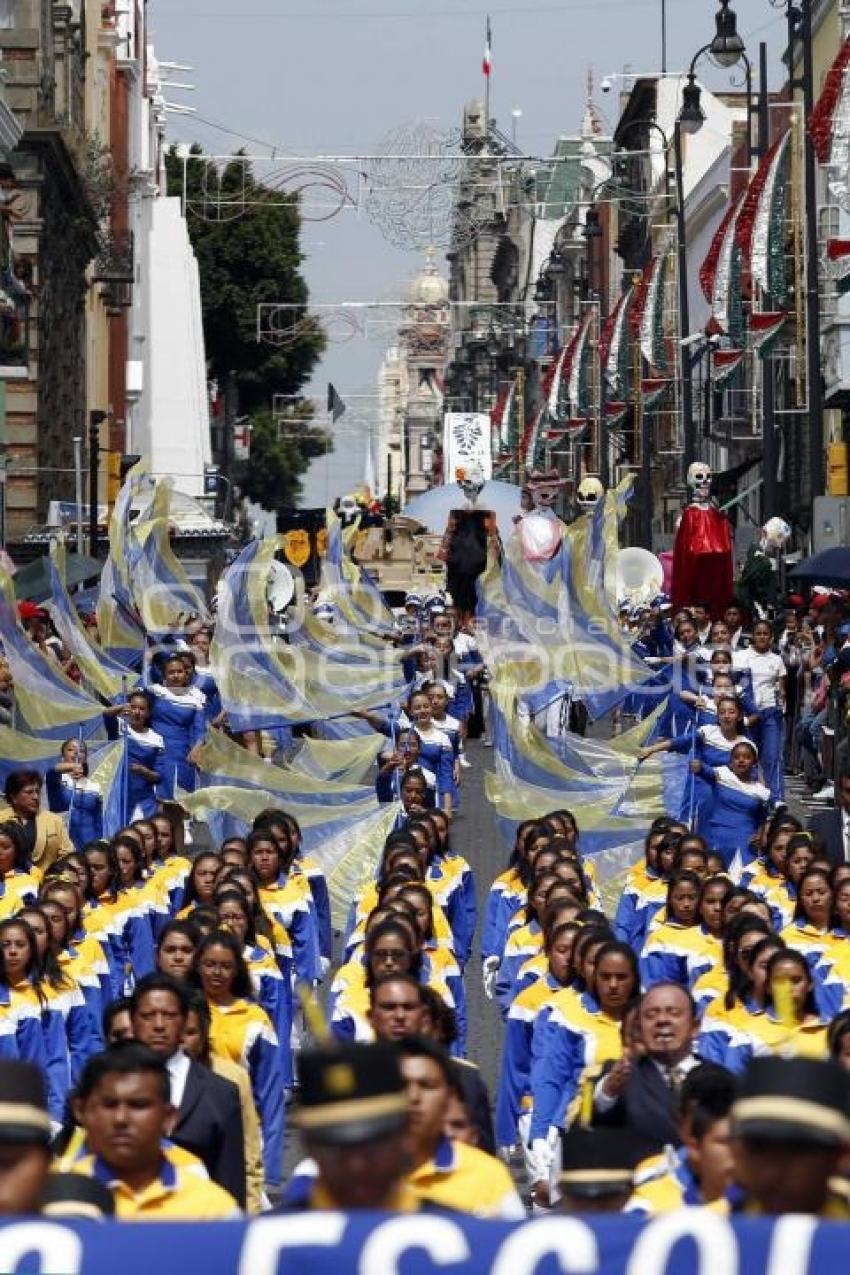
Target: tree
246	237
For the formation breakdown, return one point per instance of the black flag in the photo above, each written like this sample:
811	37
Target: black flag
336	407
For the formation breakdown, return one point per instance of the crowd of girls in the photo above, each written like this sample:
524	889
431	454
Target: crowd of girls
240	924
763	949
726	691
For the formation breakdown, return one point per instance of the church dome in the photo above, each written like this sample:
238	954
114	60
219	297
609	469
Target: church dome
429	287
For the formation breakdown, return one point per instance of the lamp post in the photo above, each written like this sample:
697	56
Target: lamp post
96	418
799	13
689	120
728	48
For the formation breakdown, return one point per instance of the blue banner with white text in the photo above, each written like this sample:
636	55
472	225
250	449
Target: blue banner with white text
689	1242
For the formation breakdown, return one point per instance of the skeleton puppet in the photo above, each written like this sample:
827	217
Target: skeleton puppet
540	530
469	532
702	555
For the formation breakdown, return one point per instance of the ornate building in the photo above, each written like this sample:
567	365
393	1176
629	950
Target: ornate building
52	230
410	385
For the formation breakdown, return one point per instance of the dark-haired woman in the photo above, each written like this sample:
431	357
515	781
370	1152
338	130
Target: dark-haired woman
45	835
145	750
82	956
390	948
112	918
71	1033
17	883
576	1037
72	793
273	991
513	1099
178	715
791	1026
241	1031
285	894
507	894
688	943
24	1017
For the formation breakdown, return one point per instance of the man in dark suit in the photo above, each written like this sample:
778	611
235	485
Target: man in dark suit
833	826
641	1093
209	1116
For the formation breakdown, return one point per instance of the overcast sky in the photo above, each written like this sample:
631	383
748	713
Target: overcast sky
336	76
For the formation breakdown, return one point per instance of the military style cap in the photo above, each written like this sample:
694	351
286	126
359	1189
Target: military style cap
350	1094
798	1099
74	1195
23	1104
598	1162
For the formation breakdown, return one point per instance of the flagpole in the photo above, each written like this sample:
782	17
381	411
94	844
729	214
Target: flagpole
487	68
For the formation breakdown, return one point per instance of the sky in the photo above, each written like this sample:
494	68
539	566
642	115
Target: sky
312	77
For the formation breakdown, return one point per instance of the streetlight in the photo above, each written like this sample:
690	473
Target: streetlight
727	46
691	116
799	17
682	261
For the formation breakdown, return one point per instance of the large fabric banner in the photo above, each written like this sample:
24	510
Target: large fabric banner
466	442
689	1242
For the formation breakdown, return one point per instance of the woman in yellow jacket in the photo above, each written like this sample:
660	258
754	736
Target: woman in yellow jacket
18	884
196	1042
242	1032
45	834
790	1026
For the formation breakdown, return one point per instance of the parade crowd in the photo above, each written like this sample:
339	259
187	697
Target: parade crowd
675	1037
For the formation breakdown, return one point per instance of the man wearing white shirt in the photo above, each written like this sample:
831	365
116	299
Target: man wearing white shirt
209	1115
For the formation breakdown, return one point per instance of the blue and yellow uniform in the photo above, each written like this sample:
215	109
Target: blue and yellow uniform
644	893
243	1032
572	1038
466	1180
85	960
322	903
736	1036
175	1195
513	1098
675	953
778	893
665	1183
17	888
522	944
168	879
452	884
289	900
274	994
507	895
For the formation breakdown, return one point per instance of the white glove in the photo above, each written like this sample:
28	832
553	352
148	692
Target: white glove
490	971
540	1160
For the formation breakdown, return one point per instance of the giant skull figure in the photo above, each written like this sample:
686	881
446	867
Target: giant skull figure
703	568
590	492
540	531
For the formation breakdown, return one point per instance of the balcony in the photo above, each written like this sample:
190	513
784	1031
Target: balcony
114	271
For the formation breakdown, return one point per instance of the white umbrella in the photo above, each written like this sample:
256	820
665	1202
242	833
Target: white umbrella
433	507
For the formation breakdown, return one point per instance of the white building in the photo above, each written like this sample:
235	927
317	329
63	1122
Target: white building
168	409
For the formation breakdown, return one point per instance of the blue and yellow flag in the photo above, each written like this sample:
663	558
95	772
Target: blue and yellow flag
101	674
163	595
47	701
265	682
122	634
